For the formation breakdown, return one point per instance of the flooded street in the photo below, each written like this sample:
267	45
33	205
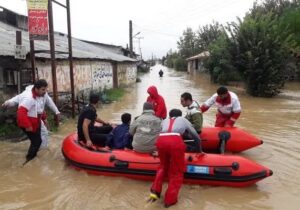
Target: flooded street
48	183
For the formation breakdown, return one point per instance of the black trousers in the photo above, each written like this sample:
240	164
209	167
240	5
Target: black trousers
191	146
35	143
99	135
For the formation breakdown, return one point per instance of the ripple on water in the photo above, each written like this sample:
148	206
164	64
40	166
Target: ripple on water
49	183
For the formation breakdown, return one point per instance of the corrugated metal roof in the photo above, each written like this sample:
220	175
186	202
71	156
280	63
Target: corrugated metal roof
201	55
81	50
114	48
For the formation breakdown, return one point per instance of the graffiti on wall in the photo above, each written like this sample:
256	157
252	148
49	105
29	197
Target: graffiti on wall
102	75
127	74
44	72
82	76
87	75
131	73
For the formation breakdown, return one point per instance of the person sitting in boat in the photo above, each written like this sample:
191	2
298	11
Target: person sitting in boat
161	73
120	138
228	104
171	154
193	113
158	102
145	130
87	131
178	124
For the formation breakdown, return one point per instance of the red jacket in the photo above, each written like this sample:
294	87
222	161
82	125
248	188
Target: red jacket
27	115
158	102
229	108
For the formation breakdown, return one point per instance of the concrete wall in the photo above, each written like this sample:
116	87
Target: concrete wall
192	65
88	75
127	74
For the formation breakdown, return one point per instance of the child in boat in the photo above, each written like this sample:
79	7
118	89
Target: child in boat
119	138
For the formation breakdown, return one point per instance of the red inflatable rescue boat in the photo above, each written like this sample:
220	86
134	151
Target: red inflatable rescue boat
238	141
208	169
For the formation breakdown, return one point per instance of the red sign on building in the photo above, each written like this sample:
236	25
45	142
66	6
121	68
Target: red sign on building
38	19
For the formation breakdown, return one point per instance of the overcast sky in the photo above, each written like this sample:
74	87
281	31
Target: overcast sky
161	22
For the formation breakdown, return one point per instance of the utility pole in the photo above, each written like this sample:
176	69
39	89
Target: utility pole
130	38
52	51
139	41
19	43
70	57
32	59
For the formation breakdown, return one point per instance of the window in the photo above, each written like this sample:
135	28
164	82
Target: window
26	78
11	77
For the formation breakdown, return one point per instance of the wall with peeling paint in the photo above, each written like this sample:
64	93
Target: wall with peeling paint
127	74
88	75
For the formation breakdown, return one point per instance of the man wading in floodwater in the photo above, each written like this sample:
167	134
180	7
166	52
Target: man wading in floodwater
29	115
161	73
49	102
228	105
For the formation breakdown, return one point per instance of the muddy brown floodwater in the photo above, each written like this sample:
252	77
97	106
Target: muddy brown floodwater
49	183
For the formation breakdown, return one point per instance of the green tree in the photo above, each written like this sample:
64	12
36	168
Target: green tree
186	44
276	7
257	47
171	59
206	35
290	20
220	63
261	53
180	64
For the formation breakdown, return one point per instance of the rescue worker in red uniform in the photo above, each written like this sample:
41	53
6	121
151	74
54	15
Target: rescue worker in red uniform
228	105
30	112
42	102
158	102
171	149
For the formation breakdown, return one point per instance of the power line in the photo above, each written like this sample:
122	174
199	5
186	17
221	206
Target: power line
156	32
188	17
195	14
184	11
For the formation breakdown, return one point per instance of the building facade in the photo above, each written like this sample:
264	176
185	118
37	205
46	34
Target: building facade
96	66
195	63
